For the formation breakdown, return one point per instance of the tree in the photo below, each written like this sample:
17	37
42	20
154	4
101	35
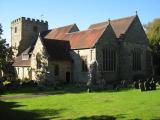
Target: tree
5	52
153	34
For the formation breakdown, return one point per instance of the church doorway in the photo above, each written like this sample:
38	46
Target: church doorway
68	76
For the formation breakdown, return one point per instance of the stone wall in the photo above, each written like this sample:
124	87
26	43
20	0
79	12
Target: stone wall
61	77
108	40
80	76
38	49
134	38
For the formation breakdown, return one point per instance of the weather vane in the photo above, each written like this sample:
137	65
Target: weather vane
42	16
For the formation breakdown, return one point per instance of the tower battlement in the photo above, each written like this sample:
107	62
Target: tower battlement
24	19
24	32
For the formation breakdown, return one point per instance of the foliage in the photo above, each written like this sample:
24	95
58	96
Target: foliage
41	67
153	33
5	52
128	104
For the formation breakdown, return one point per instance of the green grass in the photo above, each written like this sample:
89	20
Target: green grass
127	104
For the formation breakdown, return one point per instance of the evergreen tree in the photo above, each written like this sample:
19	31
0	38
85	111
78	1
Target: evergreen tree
5	52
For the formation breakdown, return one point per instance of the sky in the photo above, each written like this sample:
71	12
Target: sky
82	12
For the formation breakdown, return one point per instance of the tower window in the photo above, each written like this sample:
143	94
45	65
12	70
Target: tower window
15	30
35	29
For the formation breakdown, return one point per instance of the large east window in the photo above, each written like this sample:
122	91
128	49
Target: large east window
109	59
136	60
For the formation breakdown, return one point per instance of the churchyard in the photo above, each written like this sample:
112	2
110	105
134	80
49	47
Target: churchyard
74	103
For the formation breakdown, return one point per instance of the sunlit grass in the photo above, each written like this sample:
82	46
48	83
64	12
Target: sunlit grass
129	104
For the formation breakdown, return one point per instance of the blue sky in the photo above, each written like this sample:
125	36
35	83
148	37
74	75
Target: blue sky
81	12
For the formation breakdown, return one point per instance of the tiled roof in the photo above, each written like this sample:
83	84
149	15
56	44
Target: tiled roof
120	26
59	33
77	39
44	33
57	49
84	39
23	63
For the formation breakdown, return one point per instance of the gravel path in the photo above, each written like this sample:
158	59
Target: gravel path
20	96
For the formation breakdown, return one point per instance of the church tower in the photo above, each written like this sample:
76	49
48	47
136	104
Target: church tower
24	32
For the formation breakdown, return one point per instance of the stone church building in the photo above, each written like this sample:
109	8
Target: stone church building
63	55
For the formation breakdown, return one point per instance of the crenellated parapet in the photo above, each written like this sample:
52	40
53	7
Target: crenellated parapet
24	19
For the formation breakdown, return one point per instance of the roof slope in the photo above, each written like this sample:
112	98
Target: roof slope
84	39
59	33
18	60
120	26
77	39
57	49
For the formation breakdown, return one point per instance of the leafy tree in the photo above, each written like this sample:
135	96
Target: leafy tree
153	34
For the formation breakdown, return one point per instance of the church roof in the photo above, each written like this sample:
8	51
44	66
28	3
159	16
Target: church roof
88	38
84	39
120	26
18	60
77	39
57	49
59	33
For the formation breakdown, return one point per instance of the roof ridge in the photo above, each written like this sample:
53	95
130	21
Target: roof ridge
111	21
64	26
84	30
123	18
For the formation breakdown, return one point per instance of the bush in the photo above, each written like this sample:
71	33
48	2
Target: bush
29	83
1	86
10	85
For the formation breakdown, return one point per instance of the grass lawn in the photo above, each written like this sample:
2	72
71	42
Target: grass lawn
60	105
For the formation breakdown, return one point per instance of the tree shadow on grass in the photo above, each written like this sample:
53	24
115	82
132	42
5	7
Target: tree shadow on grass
101	117
9	111
51	90
156	118
60	90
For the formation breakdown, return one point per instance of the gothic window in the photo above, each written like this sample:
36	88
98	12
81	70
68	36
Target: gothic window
56	70
35	29
136	60
109	59
15	30
84	63
17	70
91	55
38	60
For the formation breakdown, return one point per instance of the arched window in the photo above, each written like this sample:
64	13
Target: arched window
136	60
38	60
84	63
56	70
109	59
